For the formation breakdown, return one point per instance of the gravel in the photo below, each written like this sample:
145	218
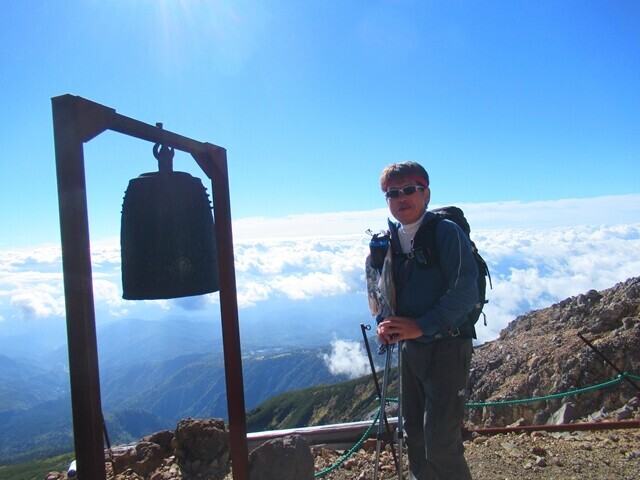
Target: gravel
606	454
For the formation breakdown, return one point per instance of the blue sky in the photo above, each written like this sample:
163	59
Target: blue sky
524	113
500	100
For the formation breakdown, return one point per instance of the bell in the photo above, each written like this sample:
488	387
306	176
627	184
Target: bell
167	238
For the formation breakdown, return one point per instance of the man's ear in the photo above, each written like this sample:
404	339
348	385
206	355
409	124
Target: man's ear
427	196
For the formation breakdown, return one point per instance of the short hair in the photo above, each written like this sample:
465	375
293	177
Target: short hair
411	170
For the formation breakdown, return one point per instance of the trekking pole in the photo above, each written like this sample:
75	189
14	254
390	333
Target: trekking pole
400	425
364	328
383	402
106	438
610	363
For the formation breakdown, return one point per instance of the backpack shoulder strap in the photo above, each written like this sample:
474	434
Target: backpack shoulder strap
394	240
425	247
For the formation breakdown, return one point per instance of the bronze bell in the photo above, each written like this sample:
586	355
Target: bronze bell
168	242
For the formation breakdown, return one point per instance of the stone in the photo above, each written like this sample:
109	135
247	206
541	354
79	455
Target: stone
55	476
565	414
201	447
512	449
162	438
287	458
624	413
518	423
141	459
540	462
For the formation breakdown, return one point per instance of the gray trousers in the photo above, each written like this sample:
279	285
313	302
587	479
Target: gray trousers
434	385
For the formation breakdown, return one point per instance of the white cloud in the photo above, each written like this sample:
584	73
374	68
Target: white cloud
306	286
538	252
17	258
30	287
298	269
109	294
535	268
41	301
347	358
251	293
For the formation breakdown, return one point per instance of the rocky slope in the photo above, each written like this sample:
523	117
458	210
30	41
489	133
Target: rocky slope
541	354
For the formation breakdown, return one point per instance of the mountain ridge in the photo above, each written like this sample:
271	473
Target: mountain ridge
536	354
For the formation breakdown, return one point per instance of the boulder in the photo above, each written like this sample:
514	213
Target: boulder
201	447
287	458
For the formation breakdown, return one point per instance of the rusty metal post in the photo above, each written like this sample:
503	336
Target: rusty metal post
229	312
78	291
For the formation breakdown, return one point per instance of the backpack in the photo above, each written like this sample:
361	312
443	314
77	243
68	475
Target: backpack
425	251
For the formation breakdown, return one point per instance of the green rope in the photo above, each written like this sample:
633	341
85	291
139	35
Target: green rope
355	448
578	391
351	451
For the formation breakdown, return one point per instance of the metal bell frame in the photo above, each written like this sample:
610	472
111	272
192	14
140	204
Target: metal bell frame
77	121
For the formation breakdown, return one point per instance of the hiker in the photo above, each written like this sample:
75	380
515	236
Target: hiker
431	319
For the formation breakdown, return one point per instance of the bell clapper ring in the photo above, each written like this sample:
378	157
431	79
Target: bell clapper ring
164	154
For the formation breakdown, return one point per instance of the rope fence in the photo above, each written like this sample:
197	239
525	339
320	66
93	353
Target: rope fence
610	383
607	384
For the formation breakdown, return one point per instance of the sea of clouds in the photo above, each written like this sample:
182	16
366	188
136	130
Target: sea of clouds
538	254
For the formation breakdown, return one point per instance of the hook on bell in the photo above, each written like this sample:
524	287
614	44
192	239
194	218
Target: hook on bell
167	237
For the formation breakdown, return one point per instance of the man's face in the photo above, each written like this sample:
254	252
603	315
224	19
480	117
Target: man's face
407	208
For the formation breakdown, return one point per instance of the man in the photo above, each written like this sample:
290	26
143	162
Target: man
431	319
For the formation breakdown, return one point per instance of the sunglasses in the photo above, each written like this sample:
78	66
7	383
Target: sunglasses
410	190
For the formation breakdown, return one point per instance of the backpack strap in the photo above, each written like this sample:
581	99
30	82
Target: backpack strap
394	241
425	247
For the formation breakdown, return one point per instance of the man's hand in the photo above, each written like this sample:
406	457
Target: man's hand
396	329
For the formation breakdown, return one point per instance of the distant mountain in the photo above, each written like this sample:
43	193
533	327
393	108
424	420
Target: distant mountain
312	323
143	354
539	354
134	340
24	384
140	398
31	340
320	405
38	432
166	368
129	426
280	323
195	385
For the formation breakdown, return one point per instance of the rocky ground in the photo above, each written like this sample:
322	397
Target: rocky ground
578	455
607	454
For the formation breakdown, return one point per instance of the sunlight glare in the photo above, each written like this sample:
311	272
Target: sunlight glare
222	34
